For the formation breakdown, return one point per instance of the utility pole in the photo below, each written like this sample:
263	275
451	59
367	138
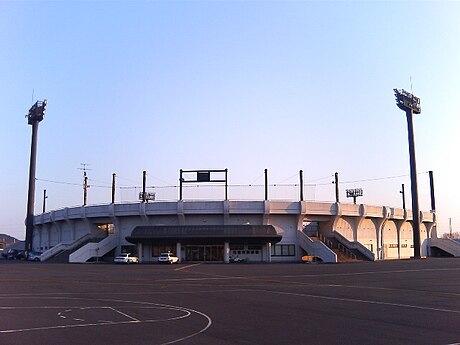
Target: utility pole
144	182
266	183
85	183
113	188
35	116
403	196
336	181
411	105
44	200
433	200
301	184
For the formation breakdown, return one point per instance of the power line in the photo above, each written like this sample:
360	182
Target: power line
59	182
381	178
321	178
236	185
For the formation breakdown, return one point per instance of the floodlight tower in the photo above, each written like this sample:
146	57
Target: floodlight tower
354	193
36	114
411	105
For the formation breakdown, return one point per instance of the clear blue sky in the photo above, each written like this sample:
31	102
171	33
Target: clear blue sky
243	85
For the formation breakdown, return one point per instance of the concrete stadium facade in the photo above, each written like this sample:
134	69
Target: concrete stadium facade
325	230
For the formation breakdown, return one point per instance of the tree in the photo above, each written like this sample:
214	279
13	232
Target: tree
454	235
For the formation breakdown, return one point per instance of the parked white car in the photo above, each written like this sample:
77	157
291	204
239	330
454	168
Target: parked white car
126	258
167	258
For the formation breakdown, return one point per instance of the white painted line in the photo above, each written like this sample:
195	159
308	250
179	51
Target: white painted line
187	312
124	314
351	300
62	327
13	308
367	272
185	267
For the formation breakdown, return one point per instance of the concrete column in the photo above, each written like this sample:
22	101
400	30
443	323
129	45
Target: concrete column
398	232
180	213
226	252
226	212
140	252
40	240
59	227
268	249
72	227
179	251
49	237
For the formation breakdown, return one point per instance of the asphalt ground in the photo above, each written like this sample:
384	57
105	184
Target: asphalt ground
392	302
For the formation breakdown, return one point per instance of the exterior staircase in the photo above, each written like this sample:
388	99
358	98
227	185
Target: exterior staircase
444	247
345	250
94	249
315	247
67	246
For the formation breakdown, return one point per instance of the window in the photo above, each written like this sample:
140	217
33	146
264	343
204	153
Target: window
107	228
283	250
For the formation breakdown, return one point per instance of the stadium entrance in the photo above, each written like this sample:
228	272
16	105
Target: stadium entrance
204	253
205	243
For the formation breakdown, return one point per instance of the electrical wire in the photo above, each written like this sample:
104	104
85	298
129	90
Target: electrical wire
58	182
234	185
381	178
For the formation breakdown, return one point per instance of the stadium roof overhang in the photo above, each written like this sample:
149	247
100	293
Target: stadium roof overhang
204	234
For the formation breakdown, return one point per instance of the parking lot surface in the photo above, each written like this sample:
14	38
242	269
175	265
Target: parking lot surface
392	302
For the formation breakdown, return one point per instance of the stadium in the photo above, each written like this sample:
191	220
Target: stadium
219	230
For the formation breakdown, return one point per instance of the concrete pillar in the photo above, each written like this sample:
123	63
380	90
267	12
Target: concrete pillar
226	252
398	232
48	245
140	252
59	227
40	240
179	251
268	249
72	227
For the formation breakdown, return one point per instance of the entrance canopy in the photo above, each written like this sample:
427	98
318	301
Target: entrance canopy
205	233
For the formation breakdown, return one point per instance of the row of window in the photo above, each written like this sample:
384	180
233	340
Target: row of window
283	250
403	245
276	250
238	252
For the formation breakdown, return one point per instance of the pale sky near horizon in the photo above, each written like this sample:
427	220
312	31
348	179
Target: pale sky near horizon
244	85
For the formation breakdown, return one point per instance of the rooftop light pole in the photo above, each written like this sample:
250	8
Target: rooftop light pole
411	105
36	114
354	193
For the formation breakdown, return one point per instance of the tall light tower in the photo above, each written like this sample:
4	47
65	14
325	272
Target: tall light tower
354	193
36	114
411	105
